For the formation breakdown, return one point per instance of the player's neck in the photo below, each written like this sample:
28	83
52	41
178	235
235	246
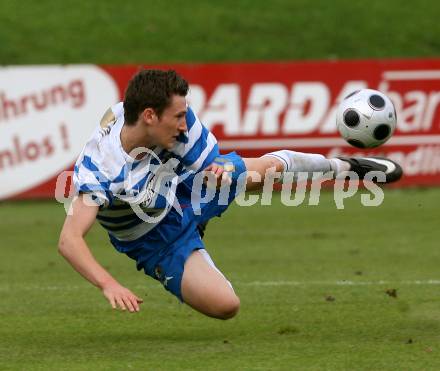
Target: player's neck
133	137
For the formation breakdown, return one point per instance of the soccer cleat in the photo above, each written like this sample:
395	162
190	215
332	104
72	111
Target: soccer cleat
363	165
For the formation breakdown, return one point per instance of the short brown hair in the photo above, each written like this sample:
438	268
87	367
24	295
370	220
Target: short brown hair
151	89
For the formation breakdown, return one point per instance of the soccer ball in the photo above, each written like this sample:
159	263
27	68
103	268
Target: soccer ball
366	118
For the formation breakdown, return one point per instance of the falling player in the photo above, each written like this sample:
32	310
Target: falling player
148	147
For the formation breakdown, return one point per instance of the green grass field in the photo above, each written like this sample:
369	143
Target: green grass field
312	281
49	31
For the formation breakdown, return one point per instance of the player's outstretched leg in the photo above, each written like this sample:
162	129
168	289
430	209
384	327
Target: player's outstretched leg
290	161
205	289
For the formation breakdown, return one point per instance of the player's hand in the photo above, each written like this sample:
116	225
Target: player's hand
222	177
121	297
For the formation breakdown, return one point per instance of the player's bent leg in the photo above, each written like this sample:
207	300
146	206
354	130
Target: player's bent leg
297	162
261	167
205	289
274	164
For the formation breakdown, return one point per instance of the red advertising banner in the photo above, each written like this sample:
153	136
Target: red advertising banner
251	108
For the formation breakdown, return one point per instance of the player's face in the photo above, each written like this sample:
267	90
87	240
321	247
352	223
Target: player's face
171	123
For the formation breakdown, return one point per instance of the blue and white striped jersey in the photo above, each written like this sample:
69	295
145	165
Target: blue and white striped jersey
121	185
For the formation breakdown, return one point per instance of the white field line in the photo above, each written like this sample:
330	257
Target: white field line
340	283
150	285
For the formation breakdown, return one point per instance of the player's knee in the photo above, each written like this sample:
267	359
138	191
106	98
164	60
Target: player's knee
228	307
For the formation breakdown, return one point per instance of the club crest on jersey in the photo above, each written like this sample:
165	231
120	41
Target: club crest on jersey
107	121
225	163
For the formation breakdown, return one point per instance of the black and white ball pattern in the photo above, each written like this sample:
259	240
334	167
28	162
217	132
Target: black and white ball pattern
366	118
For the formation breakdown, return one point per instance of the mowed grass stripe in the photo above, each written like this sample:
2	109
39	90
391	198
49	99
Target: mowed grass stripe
236	284
321	289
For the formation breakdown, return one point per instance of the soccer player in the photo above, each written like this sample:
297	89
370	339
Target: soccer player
137	176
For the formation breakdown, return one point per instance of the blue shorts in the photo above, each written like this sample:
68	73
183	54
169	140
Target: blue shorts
163	251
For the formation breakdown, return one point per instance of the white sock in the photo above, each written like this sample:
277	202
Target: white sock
309	162
339	166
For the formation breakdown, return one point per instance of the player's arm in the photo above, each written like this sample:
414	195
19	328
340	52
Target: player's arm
74	249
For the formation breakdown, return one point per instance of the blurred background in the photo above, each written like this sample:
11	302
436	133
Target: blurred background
264	75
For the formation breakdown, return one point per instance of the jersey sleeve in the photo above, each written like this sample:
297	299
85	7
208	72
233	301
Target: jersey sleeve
87	176
89	180
198	147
